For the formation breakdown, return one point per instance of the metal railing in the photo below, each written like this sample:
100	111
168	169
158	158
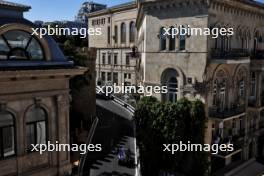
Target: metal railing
232	53
89	140
225	113
258	54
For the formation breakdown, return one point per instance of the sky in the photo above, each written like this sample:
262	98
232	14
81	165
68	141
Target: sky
51	10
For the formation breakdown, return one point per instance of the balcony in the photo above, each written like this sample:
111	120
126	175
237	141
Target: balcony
232	53
258	54
215	112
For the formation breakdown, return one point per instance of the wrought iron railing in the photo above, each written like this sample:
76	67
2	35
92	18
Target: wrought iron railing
232	53
258	54
226	113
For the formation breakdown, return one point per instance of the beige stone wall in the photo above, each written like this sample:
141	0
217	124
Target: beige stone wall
198	63
112	18
51	93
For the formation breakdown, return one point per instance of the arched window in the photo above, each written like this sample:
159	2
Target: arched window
220	90
242	88
253	84
182	41
242	43
172	40
7	135
162	38
256	42
36	132
222	96
132	32
172	89
20	45
215	92
123	33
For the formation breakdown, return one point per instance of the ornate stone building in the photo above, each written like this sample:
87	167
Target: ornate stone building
225	73
114	63
34	97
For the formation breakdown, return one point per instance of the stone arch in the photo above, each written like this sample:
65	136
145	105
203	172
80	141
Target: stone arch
47	120
168	75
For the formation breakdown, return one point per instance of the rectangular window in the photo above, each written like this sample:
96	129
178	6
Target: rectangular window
109	75
127	60
115	59
103	58
103	76
129	76
108	34
109	59
116	34
182	42
253	84
108	19
115	77
125	75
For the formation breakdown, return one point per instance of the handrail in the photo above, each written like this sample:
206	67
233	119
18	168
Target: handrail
89	139
123	103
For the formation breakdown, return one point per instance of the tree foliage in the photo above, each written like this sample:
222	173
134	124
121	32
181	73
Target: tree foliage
168	123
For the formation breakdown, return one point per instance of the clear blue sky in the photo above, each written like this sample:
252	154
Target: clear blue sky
51	10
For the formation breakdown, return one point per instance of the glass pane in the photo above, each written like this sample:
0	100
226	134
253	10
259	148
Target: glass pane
18	54
41	133
30	135
8	141
3	49
6	119
34	50
36	114
23	46
17	38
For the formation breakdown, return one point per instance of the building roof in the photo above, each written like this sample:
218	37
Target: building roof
58	59
119	7
13	5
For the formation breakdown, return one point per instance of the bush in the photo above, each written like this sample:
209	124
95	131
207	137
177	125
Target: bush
167	123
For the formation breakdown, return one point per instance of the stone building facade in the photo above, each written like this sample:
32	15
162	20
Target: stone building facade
114	63
225	73
34	97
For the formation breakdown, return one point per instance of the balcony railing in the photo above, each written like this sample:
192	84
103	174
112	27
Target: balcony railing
232	53
215	112
237	144
258	54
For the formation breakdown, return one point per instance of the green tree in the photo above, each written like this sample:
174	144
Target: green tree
167	123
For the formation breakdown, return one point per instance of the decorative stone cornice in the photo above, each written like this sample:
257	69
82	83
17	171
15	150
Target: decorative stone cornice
237	8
